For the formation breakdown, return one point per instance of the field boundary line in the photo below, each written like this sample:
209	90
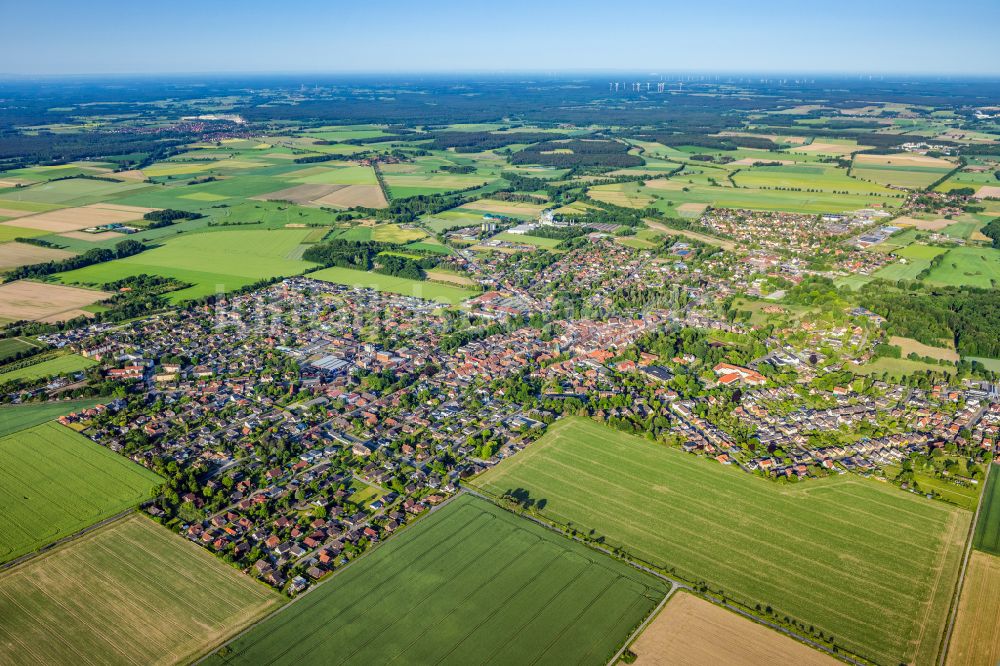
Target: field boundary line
199	658
957	593
66	539
675	585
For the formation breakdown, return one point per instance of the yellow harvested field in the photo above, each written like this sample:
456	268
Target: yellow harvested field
133	175
74	219
988	192
692	209
693	632
616	195
10	212
39	301
909	345
819	147
980	237
369	196
13	182
904	160
93	238
923	225
13	255
505	207
976	639
664	184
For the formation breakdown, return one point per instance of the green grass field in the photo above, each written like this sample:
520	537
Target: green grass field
900	367
58	365
129	593
12	346
55	482
862	561
432	291
20	417
968	266
212	262
469	584
987	535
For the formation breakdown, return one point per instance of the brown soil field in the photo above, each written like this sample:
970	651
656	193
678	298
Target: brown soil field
13	182
988	192
460	280
904	160
10	212
923	225
301	194
369	196
692	209
133	175
693	632
909	345
74	219
664	184
13	255
976	639
93	238
37	300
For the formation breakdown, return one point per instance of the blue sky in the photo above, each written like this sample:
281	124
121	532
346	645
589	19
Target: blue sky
845	36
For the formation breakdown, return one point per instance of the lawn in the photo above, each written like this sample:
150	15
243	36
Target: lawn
432	291
987	535
20	417
54	482
469	584
57	365
129	593
859	560
968	266
212	262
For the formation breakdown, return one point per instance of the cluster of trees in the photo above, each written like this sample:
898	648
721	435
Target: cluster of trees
712	141
367	255
602	153
17	149
970	317
474	142
992	229
125	248
167	216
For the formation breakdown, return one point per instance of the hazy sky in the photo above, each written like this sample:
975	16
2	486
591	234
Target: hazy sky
851	36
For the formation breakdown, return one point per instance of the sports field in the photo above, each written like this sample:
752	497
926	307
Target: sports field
469	584
20	417
987	535
55	482
432	291
695	632
129	593
976	639
859	560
